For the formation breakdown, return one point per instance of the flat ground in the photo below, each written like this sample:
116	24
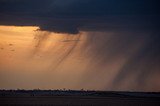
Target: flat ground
77	98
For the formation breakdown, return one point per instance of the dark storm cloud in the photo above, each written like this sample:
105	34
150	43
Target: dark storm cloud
71	16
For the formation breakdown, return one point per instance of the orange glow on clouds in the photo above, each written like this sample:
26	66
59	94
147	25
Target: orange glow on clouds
28	54
31	59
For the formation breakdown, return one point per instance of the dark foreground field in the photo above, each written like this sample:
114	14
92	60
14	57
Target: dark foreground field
77	98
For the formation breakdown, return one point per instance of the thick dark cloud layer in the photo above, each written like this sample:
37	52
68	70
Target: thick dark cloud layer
71	16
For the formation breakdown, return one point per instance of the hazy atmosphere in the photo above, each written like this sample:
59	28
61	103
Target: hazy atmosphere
80	44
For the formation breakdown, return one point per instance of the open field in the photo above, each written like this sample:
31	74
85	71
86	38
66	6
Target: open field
78	98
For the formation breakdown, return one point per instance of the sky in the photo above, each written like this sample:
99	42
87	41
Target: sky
108	45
